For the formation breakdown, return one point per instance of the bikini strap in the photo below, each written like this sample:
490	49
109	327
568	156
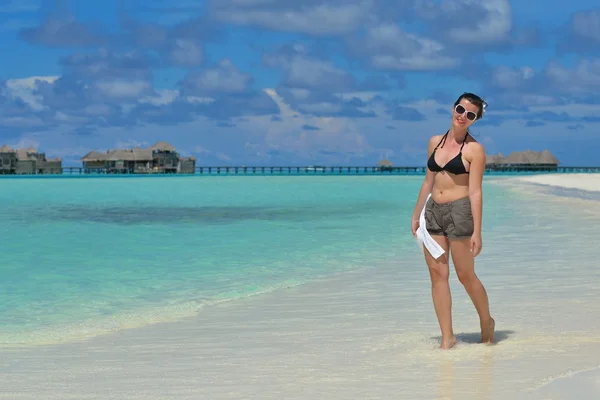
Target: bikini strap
443	139
464	141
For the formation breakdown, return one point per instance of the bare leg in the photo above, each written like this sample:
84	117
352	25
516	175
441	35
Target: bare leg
440	290
464	263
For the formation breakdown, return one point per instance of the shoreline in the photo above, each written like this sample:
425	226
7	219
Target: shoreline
366	333
575	182
351	335
567	384
85	330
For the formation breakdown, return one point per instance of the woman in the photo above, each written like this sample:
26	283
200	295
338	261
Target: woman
453	214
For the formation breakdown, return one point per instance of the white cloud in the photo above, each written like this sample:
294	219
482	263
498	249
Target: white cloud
511	77
390	48
574	109
25	143
305	71
22	88
223	157
223	78
97	110
587	24
322	18
187	52
123	89
333	134
161	97
364	96
201	150
496	25
584	77
23	122
68	119
131	143
284	109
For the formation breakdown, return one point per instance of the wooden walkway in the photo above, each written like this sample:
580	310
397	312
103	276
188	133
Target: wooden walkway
337	170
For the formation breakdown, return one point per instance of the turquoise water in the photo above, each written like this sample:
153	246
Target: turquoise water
87	256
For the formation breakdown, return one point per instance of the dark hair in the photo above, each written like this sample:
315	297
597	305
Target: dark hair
474	99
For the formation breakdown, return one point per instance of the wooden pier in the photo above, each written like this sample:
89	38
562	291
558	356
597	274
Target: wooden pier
324	170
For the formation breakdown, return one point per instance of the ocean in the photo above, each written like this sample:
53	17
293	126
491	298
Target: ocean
87	256
288	285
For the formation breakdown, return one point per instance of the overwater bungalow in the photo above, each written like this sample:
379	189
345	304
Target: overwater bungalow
523	160
160	158
27	161
385	165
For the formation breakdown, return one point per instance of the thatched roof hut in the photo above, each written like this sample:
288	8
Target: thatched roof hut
385	163
547	158
160	158
495	159
137	154
527	157
28	161
532	158
23	154
129	155
521	157
162	146
28	154
94	156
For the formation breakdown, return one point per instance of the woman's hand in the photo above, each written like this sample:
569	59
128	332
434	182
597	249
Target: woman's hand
476	244
414	226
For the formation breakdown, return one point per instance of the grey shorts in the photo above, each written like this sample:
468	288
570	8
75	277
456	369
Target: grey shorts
453	219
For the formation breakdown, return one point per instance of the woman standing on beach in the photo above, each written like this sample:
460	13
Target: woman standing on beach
452	196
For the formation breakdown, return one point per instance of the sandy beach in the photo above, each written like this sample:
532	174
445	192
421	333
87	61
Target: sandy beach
367	334
343	338
589	182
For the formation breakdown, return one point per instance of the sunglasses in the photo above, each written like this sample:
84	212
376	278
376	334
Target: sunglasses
460	110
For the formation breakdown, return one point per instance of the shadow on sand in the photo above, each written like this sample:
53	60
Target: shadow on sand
475	337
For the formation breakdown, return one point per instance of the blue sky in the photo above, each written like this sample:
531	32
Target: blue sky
297	82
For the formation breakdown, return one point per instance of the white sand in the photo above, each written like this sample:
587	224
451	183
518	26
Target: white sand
590	182
573	385
370	334
352	337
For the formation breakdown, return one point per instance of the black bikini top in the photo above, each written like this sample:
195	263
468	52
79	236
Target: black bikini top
454	166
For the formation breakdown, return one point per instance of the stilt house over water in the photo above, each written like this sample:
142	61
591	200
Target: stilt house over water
160	158
519	160
385	165
27	161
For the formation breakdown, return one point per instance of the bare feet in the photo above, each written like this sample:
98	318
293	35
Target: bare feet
447	344
487	333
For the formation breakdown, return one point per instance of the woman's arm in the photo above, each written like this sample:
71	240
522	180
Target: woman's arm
427	185
475	182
